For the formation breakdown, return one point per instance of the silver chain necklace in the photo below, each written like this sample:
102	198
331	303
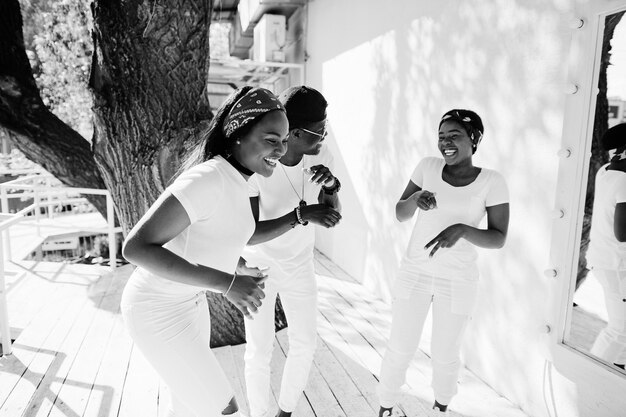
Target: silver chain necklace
302	203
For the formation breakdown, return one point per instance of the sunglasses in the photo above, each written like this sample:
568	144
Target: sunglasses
321	135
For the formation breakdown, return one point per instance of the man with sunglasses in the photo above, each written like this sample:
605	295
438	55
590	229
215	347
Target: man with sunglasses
302	192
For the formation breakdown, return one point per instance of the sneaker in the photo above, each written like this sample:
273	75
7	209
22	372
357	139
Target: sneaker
390	412
440	409
385	412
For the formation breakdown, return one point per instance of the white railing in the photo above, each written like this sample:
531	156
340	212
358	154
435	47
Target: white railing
48	193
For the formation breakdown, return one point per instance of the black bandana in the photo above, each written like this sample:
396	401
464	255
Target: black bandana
254	103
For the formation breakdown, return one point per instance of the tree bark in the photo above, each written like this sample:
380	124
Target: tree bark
38	133
599	157
148	78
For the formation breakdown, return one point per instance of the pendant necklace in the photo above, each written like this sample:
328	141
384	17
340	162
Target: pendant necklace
302	203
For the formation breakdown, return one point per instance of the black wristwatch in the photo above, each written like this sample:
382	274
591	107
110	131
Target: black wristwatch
332	190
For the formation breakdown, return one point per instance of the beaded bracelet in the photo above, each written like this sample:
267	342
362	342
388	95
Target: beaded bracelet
231	284
299	216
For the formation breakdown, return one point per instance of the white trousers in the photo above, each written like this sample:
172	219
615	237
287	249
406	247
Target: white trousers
451	311
173	334
610	344
298	295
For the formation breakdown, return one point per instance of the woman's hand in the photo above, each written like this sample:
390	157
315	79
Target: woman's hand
253	271
320	214
424	199
447	238
246	293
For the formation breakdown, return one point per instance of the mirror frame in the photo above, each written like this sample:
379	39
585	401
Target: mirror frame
583	67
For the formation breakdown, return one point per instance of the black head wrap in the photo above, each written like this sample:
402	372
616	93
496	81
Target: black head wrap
470	121
614	138
304	106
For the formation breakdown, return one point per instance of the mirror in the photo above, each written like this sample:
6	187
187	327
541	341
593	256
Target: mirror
598	312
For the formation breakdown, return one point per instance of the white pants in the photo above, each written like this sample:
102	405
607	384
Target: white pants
451	311
298	295
172	332
610	344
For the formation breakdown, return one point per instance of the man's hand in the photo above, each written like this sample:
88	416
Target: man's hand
321	175
320	214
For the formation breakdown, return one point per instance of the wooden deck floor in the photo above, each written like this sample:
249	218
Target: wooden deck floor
72	356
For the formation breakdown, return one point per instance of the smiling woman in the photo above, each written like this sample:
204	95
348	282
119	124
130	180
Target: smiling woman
439	266
190	240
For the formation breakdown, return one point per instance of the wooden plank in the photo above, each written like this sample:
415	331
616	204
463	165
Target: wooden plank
79	382
348	395
141	388
38	289
37	346
37	354
104	401
334	270
53	381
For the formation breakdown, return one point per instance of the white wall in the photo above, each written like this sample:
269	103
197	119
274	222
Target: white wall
389	70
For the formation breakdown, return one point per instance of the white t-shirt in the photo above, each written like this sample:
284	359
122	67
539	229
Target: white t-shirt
278	195
605	251
215	196
466	205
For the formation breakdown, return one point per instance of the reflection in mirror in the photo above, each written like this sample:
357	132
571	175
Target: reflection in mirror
598	315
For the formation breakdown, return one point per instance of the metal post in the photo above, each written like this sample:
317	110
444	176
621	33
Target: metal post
111	227
37	213
48	189
4	309
6	233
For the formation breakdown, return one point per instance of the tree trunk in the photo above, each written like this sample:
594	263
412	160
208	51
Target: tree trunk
148	77
599	157
38	133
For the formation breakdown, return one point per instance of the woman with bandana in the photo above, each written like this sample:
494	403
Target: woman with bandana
439	266
607	246
190	241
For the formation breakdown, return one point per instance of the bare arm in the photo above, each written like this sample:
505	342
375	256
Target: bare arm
330	200
266	230
493	237
413	198
270	229
619	222
322	175
144	247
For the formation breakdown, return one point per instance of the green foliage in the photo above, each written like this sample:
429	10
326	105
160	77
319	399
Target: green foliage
58	42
